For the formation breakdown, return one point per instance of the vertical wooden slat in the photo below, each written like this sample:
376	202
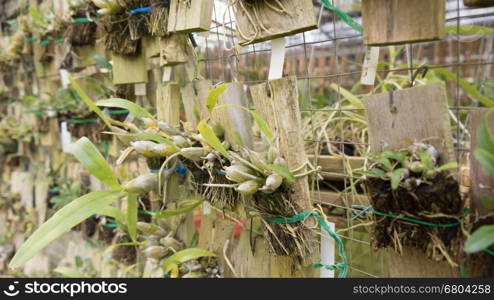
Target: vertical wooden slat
277	103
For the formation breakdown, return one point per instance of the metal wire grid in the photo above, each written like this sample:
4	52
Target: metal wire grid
222	62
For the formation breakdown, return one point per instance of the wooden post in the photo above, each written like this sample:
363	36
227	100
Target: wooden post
388	22
395	120
277	103
190	16
194	96
298	16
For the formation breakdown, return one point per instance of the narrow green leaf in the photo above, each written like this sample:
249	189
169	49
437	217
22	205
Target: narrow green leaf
486	159
183	256
263	125
133	108
481	239
211	138
426	160
70	272
467	87
62	221
214	96
144	135
354	100
398	156
77	88
260	122
384	162
187	209
113	212
283	172
396	177
132	216
102	62
92	160
448	166
484	137
469	30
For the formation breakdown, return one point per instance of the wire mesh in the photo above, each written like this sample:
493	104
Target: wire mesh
328	63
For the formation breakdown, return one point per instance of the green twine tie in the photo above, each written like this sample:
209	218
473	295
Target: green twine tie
344	17
343	265
81	20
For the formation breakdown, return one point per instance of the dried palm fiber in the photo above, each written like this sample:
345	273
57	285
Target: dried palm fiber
158	20
251	9
82	29
138	23
13	50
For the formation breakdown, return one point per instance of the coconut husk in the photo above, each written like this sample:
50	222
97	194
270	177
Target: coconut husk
139	23
117	35
437	202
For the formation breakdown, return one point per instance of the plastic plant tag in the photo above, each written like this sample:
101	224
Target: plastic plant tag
370	66
64	78
327	252
277	58
65	136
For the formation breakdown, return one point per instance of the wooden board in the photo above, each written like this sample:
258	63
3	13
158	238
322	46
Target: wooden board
399	118
129	69
299	17
190	16
482	184
478	3
175	49
277	103
395	119
388	22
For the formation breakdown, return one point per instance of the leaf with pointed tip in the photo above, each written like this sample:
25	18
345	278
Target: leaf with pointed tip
134	109
92	160
77	88
180	257
62	221
481	239
132	216
214	96
208	134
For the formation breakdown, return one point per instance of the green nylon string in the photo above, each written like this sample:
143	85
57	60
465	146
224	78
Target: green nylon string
106	148
82	20
119	112
343	265
45	42
82	121
32	39
60	40
415	220
488	251
346	18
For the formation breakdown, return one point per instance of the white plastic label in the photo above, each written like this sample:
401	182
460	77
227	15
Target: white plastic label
327	252
140	89
167	74
65	136
277	58
206	208
64	77
370	66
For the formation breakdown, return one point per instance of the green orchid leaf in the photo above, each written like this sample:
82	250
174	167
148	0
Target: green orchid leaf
183	256
283	172
92	160
481	239
62	221
77	88
132	210
133	108
486	159
396	177
214	96
208	134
